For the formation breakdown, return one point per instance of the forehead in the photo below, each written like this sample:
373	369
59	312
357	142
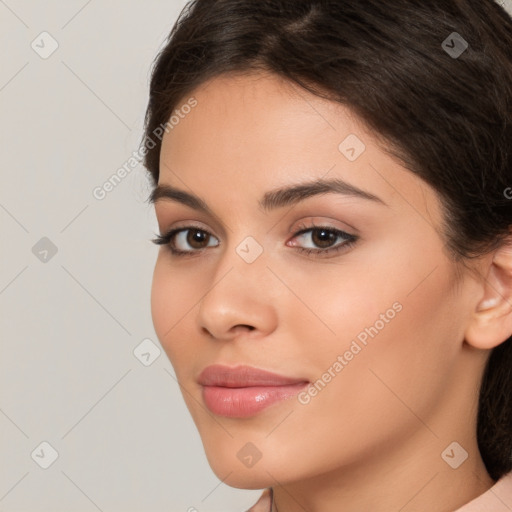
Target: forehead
258	129
275	112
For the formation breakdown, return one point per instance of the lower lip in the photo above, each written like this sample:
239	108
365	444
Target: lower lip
245	402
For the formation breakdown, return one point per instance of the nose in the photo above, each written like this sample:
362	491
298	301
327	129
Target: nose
241	299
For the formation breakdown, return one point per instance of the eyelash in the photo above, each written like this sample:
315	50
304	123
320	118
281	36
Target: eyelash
349	240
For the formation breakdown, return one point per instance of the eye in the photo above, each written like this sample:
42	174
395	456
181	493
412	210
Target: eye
323	240
180	240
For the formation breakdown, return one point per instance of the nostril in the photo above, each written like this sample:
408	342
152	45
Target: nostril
250	327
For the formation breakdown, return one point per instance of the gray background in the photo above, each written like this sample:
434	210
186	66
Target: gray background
70	320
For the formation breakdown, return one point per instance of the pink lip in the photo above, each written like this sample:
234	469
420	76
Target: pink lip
243	391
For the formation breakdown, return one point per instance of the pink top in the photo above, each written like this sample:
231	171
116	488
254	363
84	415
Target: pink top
496	499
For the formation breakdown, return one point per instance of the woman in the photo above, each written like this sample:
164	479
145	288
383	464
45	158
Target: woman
332	183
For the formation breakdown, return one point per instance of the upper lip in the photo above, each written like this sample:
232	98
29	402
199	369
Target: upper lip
243	376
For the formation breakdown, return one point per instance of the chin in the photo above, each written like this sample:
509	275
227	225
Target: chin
249	479
234	472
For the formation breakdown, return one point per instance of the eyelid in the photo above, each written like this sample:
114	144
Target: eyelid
169	211
320	221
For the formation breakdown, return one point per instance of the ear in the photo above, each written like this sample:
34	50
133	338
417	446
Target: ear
491	321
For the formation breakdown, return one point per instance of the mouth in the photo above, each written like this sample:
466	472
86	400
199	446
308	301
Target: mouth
244	391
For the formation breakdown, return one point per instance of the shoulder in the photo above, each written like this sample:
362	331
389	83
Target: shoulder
496	499
264	503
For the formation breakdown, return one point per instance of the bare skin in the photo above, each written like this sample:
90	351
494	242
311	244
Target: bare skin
373	437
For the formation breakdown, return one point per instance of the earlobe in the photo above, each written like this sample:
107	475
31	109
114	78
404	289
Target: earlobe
491	320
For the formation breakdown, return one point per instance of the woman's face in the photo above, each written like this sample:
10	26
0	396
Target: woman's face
373	320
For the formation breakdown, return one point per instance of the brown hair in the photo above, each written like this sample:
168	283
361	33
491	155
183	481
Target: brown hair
442	102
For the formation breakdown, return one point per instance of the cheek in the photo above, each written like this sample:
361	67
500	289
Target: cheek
387	310
397	334
173	294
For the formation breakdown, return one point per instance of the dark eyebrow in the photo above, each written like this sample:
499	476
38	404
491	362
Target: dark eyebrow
272	199
290	195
